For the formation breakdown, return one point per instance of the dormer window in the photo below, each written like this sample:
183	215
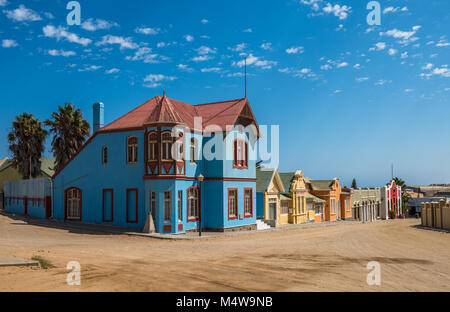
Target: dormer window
104	155
132	150
240	154
152	146
166	146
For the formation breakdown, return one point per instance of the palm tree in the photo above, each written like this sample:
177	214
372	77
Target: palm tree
26	142
70	132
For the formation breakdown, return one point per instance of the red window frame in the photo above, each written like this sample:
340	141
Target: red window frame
188	205
137	215
251	202
112	205
65	203
237	205
237	162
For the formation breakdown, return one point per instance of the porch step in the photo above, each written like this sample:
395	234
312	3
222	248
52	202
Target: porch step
261	225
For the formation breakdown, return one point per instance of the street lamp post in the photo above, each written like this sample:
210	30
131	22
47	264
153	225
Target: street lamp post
200	179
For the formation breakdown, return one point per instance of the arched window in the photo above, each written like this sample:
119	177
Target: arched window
105	155
152	146
166	146
73	204
193	150
132	150
240	154
193	203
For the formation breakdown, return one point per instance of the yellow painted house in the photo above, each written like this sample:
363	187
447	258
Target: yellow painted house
269	189
9	173
283	198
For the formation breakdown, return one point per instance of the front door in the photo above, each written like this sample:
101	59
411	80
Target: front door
272	209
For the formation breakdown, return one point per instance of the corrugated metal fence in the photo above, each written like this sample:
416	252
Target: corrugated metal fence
29	197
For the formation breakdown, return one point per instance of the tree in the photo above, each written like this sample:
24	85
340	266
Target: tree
70	132
26	142
354	185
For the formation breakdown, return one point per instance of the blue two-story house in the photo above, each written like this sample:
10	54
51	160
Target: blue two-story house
167	163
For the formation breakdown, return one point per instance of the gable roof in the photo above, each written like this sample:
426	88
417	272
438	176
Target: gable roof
286	179
321	185
263	178
161	109
47	166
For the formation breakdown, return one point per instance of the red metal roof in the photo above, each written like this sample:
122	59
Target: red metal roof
161	109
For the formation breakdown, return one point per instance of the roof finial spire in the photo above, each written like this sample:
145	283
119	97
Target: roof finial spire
164	93
245	62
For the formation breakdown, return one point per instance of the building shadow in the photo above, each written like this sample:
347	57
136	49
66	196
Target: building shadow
70	226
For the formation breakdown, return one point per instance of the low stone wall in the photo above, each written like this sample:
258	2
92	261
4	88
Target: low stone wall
436	215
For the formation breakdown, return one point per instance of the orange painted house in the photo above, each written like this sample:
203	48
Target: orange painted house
338	200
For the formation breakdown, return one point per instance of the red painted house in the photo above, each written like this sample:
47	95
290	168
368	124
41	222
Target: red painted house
391	199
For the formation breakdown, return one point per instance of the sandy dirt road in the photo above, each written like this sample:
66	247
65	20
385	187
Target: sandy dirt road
330	258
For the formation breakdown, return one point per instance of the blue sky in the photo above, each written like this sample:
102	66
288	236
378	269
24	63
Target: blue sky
350	98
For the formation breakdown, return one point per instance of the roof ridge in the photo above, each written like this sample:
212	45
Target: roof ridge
227	108
238	100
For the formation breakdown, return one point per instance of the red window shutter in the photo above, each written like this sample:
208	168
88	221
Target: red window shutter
246	154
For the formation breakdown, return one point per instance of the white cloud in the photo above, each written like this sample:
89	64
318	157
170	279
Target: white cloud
188	38
442	43
338	11
295	50
22	14
392	51
405	37
147	31
61	33
125	43
357	66
204	50
144	54
382	82
428	66
266	46
378	46
153	81
3	2
8	43
409	90
97	24
343	64
256	61
325	67
90	68
392	9
239	47
248	30
112	71
61	53
404	55
211	69
202	58
362	79
204	21
184	67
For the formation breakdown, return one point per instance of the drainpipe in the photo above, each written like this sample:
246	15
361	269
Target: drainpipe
200	179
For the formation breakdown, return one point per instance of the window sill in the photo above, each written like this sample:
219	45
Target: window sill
192	220
232	218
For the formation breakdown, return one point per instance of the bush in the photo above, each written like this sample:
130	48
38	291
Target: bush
392	214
